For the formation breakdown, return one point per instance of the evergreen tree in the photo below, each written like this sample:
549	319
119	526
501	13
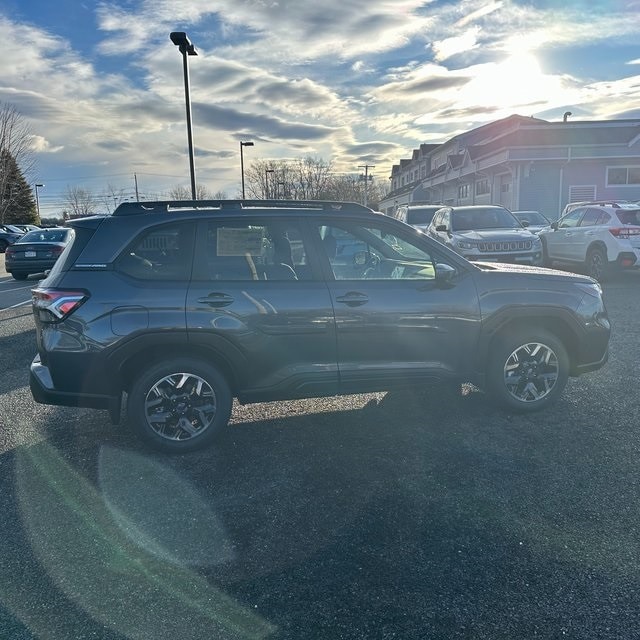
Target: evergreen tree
18	203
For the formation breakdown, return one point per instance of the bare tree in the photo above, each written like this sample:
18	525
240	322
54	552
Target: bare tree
112	197
184	193
15	150
80	202
299	179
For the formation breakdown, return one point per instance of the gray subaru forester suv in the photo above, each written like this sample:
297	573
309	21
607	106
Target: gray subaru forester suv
178	307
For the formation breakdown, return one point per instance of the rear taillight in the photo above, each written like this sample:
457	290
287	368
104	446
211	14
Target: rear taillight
54	305
624	232
9	252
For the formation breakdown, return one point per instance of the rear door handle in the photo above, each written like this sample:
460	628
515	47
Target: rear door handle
216	300
353	299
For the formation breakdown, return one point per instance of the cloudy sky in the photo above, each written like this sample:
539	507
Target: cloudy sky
352	81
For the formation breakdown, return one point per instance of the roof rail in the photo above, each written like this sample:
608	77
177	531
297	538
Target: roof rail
135	208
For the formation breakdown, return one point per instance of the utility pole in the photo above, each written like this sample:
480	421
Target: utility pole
366	177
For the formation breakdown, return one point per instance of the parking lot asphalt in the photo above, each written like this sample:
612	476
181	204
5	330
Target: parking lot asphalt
409	515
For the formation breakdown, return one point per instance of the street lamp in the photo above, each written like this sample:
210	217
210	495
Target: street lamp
243	144
38	186
180	39
266	180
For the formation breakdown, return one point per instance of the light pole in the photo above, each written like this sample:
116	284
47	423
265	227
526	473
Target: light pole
38	186
243	144
266	180
180	39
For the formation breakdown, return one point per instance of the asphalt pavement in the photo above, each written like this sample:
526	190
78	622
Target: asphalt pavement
411	516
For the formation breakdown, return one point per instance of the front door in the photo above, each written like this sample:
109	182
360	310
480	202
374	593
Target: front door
395	324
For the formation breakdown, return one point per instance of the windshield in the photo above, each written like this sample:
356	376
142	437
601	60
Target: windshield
481	218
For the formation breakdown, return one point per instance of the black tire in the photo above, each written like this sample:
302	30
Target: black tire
596	263
179	405
546	262
528	370
3	245
20	276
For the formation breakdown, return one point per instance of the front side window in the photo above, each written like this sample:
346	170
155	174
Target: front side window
164	253
571	219
357	251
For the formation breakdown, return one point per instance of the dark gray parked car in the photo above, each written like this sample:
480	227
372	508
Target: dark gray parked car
36	251
186	305
8	235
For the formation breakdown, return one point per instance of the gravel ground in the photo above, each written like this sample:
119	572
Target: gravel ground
374	516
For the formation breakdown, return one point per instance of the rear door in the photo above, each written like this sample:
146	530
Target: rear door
257	299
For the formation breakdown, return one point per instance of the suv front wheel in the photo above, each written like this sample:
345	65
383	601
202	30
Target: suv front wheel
180	405
528	371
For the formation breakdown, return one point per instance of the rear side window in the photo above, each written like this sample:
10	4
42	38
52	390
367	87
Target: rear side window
255	250
164	253
593	217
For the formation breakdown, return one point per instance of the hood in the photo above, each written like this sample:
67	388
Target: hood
494	235
542	272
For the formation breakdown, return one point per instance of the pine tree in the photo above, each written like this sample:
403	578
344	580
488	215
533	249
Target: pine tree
18	203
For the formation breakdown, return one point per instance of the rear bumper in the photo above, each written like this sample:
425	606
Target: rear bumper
44	392
29	266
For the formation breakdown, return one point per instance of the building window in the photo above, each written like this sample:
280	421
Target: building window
623	175
463	191
505	187
482	187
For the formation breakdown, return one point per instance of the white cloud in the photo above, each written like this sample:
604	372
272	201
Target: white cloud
444	49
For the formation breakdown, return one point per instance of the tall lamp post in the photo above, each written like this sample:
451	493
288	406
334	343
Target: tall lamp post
38	186
243	144
186	48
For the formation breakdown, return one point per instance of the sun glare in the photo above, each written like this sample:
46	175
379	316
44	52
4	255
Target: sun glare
517	81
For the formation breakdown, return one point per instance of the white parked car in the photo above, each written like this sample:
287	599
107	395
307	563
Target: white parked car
600	237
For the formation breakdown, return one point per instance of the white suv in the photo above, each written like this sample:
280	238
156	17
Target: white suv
601	236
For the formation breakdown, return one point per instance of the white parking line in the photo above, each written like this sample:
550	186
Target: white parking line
15	289
20	304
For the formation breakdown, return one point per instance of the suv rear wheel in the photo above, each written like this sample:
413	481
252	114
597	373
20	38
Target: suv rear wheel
180	405
596	263
528	371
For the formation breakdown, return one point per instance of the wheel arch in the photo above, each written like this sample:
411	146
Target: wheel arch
534	320
598	244
150	355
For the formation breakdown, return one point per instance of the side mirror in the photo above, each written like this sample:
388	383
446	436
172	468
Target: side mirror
554	225
445	275
525	223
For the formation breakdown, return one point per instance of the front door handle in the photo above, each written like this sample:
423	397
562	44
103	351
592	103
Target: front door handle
216	300
353	299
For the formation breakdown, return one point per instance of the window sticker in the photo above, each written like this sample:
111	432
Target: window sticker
239	242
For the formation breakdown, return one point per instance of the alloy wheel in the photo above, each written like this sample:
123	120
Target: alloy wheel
531	372
180	406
